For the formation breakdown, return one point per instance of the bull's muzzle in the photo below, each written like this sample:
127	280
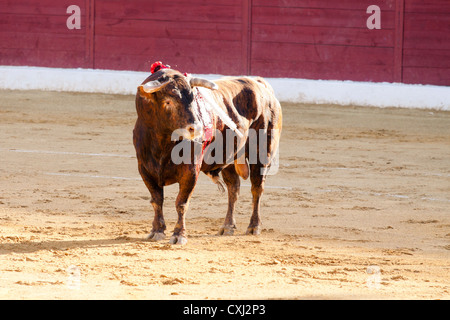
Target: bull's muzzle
191	132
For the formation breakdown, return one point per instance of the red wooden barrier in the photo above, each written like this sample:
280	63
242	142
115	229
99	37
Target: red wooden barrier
426	47
195	36
34	33
311	39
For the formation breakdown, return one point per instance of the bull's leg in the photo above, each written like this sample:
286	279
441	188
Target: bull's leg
158	225
266	150
182	204
157	193
231	179
257	180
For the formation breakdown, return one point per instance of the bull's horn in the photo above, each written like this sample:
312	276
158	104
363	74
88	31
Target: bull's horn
200	82
153	86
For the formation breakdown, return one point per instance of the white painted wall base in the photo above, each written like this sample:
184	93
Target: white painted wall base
287	90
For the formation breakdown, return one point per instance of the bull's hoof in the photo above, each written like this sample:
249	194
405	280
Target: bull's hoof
156	236
178	240
226	230
256	231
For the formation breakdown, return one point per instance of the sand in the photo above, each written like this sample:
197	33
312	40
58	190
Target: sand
359	208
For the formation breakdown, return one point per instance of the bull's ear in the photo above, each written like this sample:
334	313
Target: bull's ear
200	82
153	86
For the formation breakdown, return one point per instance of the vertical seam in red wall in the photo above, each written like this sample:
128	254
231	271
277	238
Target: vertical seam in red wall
87	27
90	33
246	36
249	45
399	39
92	22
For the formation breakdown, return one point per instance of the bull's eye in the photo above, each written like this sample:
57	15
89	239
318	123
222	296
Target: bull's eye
167	104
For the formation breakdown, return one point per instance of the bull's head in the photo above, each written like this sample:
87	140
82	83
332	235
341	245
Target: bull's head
169	101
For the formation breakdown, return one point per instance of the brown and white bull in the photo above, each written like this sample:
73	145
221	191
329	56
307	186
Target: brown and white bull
168	102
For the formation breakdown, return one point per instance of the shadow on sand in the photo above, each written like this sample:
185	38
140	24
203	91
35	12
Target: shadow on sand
60	245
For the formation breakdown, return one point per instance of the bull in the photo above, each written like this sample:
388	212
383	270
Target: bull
167	102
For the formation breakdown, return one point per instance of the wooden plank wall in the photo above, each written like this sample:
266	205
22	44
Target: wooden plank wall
312	39
318	39
34	33
426	47
197	36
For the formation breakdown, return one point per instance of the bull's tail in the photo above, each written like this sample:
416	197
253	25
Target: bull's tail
214	175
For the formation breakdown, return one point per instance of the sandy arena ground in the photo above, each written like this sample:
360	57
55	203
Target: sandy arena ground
358	210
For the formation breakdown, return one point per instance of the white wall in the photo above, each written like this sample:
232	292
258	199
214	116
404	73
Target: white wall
287	90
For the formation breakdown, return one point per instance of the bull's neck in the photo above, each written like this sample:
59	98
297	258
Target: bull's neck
160	145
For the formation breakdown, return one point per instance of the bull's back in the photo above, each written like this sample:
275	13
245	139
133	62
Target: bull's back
252	97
